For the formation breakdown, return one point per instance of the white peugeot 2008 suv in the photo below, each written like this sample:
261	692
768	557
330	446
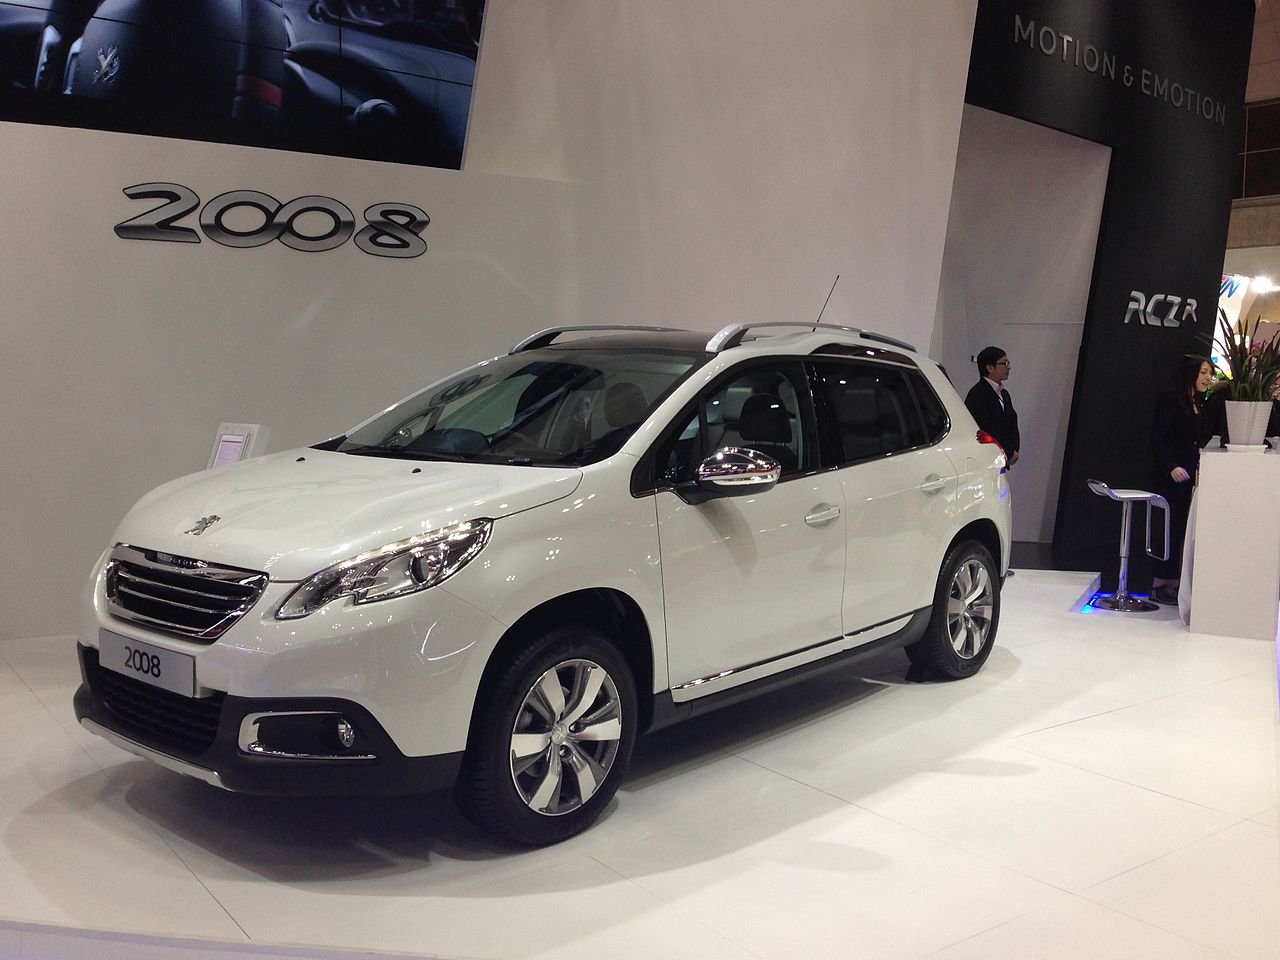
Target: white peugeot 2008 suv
499	582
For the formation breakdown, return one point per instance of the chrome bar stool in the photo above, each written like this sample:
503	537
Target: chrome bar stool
1121	600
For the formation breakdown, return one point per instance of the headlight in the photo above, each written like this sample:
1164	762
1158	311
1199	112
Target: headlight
405	566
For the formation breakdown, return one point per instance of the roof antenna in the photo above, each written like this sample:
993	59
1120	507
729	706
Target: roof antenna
826	301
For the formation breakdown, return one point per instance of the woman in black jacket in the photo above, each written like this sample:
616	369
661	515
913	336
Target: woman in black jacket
1179	429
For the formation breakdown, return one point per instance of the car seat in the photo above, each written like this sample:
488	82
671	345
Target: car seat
766	427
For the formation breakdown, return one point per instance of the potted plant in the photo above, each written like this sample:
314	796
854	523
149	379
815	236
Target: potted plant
1255	370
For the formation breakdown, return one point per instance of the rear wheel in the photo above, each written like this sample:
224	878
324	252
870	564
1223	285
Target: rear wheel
551	740
966	613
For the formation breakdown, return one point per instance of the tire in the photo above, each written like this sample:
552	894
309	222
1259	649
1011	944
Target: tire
534	772
966	614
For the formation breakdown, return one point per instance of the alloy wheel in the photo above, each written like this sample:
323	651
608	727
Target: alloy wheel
969	608
565	737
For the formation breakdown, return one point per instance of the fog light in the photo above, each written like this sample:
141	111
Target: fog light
346	734
304	734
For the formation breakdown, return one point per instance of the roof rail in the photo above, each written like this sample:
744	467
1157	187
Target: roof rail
733	334
545	337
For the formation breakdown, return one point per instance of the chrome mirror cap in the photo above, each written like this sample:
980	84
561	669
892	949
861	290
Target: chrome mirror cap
734	471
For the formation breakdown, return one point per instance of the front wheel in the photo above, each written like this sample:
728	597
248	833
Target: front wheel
966	613
551	739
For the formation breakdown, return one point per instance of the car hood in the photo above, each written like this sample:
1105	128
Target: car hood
293	513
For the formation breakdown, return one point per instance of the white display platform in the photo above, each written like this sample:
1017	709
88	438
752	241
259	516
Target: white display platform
1107	783
1236	569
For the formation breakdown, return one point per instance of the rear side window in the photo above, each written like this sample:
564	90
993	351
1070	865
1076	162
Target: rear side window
867	411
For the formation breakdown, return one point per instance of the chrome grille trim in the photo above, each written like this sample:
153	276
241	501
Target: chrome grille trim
155	589
124	574
173	603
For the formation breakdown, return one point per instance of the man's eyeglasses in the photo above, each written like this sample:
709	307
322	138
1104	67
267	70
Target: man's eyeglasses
1002	363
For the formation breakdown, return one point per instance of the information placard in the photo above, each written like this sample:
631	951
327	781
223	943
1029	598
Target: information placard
234	442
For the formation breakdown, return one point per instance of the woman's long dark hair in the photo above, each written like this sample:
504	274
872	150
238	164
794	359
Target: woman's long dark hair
1184	381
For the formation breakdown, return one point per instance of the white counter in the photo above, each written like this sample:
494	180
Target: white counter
1236	569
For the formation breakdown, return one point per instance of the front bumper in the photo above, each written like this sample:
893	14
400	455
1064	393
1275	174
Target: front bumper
205	738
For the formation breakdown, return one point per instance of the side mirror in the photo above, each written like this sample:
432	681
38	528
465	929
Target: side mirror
737	472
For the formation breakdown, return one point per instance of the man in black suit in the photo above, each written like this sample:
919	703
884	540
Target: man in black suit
990	403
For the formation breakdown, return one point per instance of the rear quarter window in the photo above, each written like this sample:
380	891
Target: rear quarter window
932	411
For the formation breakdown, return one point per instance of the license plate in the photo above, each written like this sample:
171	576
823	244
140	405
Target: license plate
157	666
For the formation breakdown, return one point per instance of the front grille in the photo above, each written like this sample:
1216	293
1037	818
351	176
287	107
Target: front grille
182	595
153	716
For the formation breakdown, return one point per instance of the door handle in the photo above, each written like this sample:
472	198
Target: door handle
933	483
822	513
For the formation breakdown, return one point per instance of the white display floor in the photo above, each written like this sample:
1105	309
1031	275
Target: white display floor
1106	788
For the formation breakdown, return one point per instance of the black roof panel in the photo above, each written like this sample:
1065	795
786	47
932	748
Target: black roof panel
682	341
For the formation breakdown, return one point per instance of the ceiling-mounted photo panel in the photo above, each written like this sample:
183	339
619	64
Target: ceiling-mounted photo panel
377	79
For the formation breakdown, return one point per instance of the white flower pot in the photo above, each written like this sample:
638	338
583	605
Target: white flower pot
1247	422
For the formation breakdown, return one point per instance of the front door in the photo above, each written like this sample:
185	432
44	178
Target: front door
750	582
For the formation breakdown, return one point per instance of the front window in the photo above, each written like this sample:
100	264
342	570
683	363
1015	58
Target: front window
542	407
758	408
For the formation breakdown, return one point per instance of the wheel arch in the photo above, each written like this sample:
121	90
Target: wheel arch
986	533
611	611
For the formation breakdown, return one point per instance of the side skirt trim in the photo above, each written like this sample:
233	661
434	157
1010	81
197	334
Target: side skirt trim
790	653
668	711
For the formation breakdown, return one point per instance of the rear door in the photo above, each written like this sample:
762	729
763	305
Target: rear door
899	486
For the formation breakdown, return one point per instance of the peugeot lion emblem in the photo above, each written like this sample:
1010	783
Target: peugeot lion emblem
108	65
203	524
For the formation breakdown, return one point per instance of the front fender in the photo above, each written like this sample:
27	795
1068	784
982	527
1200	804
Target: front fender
598	537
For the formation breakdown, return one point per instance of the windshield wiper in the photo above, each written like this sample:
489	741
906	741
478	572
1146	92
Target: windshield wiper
403	454
509	461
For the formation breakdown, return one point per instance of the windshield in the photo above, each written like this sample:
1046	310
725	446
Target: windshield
541	407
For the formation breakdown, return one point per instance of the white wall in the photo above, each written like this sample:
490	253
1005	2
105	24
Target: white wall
689	163
737	154
1253	262
121	357
1020	246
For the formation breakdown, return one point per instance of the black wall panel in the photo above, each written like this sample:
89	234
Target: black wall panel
379	79
1162	83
